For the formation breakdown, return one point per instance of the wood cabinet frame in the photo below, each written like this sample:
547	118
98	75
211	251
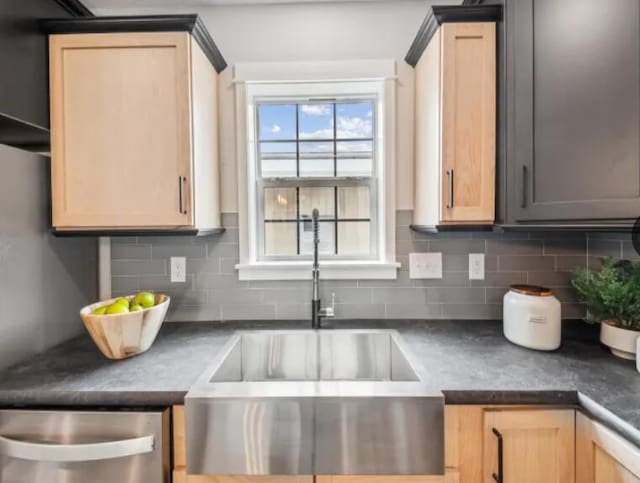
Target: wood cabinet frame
134	123
455	127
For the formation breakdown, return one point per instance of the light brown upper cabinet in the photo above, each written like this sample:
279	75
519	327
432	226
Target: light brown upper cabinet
603	456
134	125
454	56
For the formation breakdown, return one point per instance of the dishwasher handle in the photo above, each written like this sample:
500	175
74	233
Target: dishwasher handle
70	453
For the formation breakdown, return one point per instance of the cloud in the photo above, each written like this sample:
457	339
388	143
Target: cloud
348	128
275	129
354	127
315	109
370	114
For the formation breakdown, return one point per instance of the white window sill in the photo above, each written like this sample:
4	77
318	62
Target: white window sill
337	270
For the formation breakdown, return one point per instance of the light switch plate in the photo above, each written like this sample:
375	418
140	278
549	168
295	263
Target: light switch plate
425	265
476	266
178	269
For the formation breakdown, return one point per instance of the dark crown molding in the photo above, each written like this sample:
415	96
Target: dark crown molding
147	23
75	8
449	14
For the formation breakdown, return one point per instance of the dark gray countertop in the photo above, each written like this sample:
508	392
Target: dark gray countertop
469	361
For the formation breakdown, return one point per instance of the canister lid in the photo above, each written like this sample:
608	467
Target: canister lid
533	290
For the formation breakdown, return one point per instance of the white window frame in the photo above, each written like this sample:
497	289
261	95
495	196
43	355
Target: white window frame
375	78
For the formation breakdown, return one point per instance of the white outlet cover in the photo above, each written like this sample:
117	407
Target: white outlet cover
178	269
425	265
476	266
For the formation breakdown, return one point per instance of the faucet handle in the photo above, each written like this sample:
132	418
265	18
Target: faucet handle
328	312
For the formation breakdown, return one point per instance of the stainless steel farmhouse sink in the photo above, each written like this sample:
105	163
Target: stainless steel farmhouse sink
314	402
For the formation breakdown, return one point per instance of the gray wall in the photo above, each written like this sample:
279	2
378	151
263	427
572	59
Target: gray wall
44	281
213	292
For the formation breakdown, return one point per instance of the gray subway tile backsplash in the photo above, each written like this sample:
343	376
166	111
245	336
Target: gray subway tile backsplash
213	291
514	247
529	263
457	295
605	248
138	267
629	252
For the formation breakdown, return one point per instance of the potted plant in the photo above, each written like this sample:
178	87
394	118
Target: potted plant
612	296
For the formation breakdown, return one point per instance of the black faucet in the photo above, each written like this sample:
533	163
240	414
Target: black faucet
318	313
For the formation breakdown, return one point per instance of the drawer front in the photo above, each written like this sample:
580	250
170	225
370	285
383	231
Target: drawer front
77	447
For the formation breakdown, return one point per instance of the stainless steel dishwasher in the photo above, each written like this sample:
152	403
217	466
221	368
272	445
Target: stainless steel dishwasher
84	446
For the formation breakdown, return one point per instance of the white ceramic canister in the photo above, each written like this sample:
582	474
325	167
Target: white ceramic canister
532	317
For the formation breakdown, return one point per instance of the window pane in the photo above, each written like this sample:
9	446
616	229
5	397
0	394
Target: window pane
280	239
354	237
353	202
280	203
316	159
315	121
326	235
278	160
354	120
276	121
321	198
355	158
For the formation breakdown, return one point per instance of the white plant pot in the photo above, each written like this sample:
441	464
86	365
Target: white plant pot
621	342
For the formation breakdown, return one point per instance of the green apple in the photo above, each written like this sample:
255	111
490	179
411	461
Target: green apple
117	308
135	308
100	310
144	299
122	301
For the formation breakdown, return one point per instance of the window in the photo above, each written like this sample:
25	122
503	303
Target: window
316	154
309	143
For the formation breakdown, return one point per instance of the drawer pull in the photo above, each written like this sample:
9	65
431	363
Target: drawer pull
450	174
499	478
181	181
69	453
524	200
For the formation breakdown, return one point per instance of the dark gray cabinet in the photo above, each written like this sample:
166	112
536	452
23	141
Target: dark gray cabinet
573	111
24	83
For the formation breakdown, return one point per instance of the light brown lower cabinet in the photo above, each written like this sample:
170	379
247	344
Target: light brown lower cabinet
538	445
603	456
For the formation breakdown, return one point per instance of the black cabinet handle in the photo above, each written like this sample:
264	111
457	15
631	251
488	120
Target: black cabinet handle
523	204
181	181
450	175
499	478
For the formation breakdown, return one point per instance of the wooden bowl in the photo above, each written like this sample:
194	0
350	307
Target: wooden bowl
121	336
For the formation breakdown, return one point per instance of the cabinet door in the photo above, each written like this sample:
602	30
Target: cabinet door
604	457
575	146
120	125
468	122
537	446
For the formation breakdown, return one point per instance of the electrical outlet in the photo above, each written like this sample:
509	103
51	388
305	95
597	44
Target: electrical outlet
425	265
178	269
476	266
